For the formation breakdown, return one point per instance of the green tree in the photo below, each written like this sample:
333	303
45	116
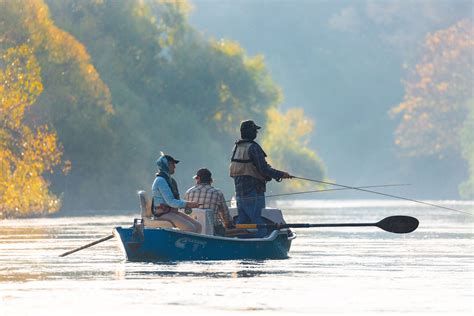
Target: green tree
170	85
286	139
124	80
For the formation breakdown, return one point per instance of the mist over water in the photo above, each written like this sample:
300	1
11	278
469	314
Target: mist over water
331	270
343	62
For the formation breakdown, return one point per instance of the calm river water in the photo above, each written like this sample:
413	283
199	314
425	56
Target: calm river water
331	270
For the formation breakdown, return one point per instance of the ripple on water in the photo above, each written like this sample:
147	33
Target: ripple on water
343	270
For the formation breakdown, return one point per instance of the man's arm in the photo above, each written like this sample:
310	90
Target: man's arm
257	156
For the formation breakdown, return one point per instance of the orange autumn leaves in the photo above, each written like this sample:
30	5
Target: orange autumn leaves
438	93
26	151
437	115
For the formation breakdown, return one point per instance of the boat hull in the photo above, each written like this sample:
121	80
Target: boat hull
164	244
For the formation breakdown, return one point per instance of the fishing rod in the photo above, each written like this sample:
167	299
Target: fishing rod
325	190
380	193
338	189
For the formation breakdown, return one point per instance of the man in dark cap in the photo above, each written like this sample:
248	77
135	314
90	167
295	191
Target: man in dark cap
212	198
166	201
251	172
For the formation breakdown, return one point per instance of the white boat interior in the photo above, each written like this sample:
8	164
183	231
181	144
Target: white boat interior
203	216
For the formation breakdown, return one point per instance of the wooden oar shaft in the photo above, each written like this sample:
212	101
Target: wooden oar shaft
300	225
328	225
398	224
87	246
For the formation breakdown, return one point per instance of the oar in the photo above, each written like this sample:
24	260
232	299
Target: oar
398	224
88	245
380	193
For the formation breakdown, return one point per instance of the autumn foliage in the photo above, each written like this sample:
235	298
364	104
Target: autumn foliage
437	91
115	83
436	114
26	153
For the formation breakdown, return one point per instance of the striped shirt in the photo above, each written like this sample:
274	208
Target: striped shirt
210	198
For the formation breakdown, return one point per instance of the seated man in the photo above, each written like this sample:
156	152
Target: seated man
211	198
166	199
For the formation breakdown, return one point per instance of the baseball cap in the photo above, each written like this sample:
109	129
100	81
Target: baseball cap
204	174
170	158
248	124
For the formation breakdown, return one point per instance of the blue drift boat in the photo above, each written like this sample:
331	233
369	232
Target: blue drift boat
165	244
153	239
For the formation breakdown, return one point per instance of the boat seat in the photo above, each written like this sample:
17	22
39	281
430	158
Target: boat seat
149	220
203	216
270	215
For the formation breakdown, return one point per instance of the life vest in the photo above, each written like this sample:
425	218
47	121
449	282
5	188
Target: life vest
171	182
240	163
161	209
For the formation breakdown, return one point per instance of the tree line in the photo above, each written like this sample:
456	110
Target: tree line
92	91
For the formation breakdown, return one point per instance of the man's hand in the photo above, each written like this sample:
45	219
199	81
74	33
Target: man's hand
191	204
286	175
229	226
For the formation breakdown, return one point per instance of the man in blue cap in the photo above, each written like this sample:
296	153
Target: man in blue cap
251	172
166	200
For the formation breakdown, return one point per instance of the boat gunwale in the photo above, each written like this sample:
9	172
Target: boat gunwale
273	235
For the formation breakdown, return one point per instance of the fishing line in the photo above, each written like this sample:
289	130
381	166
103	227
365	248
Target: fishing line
324	190
384	194
338	189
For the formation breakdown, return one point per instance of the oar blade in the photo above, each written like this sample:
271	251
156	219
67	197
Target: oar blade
398	224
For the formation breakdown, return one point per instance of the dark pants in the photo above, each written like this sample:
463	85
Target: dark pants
250	212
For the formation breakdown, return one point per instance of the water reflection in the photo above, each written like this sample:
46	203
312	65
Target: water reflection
21	277
11	234
359	267
21	242
199	269
199	274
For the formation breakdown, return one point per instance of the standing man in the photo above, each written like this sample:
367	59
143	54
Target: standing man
209	197
251	172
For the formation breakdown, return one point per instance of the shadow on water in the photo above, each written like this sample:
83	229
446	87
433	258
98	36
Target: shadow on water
200	269
202	274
